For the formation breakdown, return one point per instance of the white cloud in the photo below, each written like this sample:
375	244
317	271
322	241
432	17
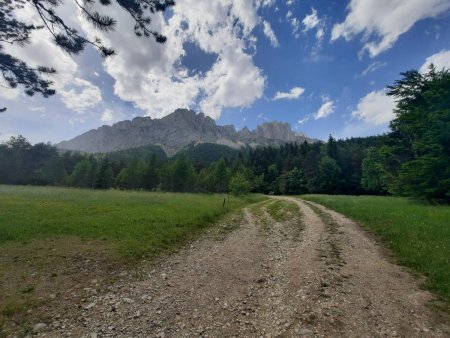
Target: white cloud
320	34
108	116
81	96
266	3
6	92
383	21
440	60
294	22
233	81
294	93
304	120
76	93
326	109
152	76
290	2
310	21
373	67
270	34
376	108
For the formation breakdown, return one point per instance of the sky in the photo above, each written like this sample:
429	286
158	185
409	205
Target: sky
320	65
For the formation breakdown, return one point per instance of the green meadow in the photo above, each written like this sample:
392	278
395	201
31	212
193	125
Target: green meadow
54	240
133	223
418	234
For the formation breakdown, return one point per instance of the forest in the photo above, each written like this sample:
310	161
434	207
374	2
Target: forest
413	159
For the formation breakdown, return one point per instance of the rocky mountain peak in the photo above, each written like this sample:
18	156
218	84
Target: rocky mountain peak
176	131
276	131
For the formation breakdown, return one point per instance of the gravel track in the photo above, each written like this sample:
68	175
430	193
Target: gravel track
333	280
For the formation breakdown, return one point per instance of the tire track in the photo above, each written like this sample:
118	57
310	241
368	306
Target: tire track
263	279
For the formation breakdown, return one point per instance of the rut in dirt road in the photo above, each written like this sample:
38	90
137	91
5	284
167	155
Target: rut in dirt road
294	270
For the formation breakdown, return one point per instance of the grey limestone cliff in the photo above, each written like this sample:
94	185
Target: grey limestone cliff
175	131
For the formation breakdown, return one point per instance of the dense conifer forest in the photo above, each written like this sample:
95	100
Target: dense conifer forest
412	160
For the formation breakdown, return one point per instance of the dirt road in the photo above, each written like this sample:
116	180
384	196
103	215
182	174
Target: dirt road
314	274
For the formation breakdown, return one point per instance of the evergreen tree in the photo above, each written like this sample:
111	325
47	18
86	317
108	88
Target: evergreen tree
179	176
272	178
54	171
82	174
373	172
422	125
217	177
328	180
332	148
295	182
15	32
150	177
104	175
239	185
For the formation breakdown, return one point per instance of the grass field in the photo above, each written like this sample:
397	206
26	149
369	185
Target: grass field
417	234
134	223
55	241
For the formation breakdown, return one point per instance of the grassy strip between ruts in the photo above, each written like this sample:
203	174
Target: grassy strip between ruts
134	224
282	211
418	234
287	213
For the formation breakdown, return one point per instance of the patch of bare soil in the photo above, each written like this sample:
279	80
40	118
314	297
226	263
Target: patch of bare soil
319	276
38	277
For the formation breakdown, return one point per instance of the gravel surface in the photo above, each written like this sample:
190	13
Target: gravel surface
329	280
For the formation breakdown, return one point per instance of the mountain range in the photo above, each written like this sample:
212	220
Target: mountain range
176	131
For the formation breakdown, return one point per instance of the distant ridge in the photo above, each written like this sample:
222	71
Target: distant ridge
175	131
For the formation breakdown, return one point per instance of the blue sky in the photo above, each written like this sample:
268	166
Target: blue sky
320	65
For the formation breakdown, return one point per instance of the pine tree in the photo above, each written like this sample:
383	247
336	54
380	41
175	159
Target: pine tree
13	31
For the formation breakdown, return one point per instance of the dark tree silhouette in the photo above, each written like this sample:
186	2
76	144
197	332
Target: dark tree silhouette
12	31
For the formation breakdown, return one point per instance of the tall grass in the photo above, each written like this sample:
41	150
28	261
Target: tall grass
418	234
133	223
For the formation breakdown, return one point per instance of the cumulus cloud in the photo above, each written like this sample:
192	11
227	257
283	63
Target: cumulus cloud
152	76
294	93
233	81
376	108
381	22
270	34
81	96
325	109
75	92
440	60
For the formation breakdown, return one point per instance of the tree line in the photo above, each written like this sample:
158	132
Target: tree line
412	160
